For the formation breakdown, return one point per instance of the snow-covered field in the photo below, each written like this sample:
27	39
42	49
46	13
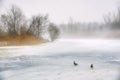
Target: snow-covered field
54	61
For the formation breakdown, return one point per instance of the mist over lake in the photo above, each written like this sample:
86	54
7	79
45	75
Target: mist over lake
35	62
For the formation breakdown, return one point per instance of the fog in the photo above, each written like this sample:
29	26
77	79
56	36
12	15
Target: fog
86	37
61	10
89	30
79	18
37	62
1	2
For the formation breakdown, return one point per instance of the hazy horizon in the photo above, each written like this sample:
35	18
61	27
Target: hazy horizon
60	11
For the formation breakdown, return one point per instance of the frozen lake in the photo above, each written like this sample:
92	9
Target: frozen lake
54	61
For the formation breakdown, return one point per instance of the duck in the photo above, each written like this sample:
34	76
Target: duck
91	66
75	64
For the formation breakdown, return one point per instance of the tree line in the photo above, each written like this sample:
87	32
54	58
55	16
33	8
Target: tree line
14	22
113	19
110	27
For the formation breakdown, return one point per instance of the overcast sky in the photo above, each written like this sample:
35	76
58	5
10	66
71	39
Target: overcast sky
61	10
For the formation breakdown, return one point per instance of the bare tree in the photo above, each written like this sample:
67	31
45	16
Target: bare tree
108	18
53	31
113	20
37	25
13	20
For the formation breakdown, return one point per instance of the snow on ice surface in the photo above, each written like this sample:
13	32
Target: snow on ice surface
54	61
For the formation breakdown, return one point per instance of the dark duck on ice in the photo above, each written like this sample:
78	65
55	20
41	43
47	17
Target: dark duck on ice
75	64
91	66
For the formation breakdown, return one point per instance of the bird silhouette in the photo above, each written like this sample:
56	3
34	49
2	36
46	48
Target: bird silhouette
91	66
75	64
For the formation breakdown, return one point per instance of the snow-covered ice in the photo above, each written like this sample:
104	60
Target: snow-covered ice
54	61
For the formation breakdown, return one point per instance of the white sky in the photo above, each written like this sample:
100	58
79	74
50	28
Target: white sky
61	10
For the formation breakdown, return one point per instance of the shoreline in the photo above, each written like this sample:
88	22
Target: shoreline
20	40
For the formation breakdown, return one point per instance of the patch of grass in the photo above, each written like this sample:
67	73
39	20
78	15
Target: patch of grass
18	40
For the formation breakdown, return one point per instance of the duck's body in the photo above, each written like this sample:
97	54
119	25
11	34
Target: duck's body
75	64
91	66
